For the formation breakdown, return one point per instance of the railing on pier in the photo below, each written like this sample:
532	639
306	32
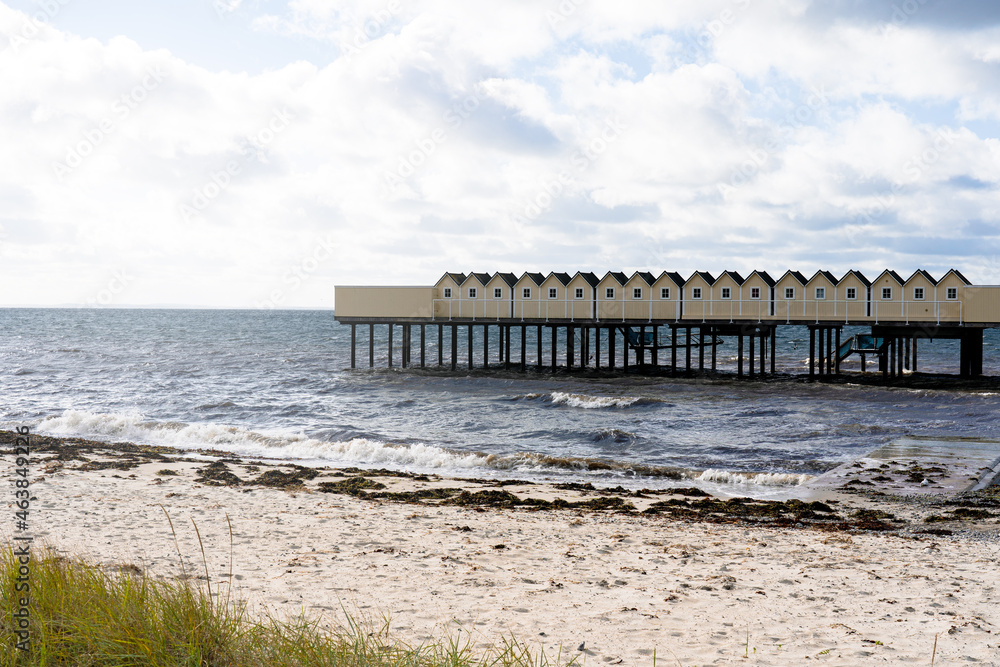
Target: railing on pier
847	311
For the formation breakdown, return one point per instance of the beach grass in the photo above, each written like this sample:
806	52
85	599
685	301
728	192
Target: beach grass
85	615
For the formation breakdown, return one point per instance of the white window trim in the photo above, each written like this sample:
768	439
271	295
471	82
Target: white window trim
553	292
884	297
447	292
664	292
922	293
789	293
525	292
636	293
473	292
754	289
727	293
696	293
817	294
578	293
951	293
847	293
497	292
609	292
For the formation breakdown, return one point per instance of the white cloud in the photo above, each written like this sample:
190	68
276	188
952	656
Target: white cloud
452	136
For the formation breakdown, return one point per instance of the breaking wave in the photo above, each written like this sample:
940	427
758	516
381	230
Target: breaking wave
589	402
760	478
134	427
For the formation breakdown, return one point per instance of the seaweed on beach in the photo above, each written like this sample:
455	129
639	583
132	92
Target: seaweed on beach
281	479
352	486
769	512
217	473
440	493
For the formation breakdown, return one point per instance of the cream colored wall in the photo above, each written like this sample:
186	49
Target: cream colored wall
527	308
826	308
696	309
493	307
641	308
400	302
755	309
557	308
980	303
857	309
791	310
891	310
580	309
666	309
610	309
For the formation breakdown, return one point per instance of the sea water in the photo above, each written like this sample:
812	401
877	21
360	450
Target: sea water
277	384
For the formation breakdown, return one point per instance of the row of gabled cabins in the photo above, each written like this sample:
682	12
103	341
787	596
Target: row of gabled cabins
644	296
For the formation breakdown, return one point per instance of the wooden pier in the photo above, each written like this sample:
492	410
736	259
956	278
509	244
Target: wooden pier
671	348
656	324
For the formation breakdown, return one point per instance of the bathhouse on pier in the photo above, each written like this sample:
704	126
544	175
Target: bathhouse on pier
651	320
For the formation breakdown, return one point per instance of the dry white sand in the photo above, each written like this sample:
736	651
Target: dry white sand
619	586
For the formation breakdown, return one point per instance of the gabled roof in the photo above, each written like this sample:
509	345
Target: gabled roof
921	272
826	274
764	275
960	276
737	278
483	278
705	275
857	274
645	275
617	275
561	277
673	276
794	274
459	278
591	279
508	278
892	274
957	273
536	278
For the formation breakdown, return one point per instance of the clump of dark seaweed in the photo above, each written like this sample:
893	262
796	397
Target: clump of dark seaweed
281	479
352	486
217	473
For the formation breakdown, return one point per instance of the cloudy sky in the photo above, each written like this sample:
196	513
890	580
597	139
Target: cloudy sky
255	153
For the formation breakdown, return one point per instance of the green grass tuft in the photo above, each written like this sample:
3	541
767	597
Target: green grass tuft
83	615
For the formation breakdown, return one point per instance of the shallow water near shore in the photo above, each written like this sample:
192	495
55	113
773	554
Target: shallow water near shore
276	384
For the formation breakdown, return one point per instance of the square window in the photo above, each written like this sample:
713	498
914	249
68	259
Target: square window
754	292
472	292
579	292
918	293
447	292
789	292
497	292
636	292
664	292
726	293
820	293
526	293
695	292
952	293
886	293
552	292
852	292
609	293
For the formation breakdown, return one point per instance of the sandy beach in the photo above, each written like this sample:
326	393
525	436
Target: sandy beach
605	577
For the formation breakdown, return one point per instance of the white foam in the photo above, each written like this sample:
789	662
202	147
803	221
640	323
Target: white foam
275	444
593	402
759	478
